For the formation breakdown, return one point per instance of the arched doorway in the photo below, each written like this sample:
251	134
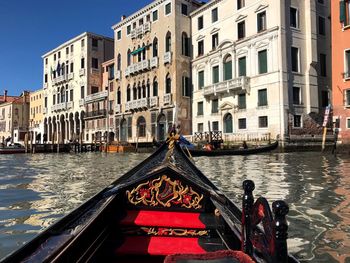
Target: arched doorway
161	127
228	127
123	130
141	127
62	129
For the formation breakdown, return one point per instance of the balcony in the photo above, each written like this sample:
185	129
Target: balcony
118	108
153	101
146	27
167	58
59	107
70	76
346	75
96	96
45	111
167	99
82	72
233	85
133	34
96	114
154	62
70	105
127	72
45	85
141	30
118	74
137	67
136	104
81	102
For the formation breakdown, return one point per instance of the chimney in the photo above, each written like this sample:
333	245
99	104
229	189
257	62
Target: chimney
122	17
5	95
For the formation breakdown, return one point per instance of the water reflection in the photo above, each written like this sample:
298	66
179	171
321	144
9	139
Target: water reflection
37	190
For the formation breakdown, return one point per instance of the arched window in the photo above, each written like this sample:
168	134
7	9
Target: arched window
228	67
119	95
139	54
139	91
63	95
134	92
143	90
186	86
168	42
168	84
62	69
128	93
141	126
155	47
119	62
123	130
185	45
228	123
148	89
129	57
143	52
155	87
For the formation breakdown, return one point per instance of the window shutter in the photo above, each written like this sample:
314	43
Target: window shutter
242	66
263	61
342	11
228	70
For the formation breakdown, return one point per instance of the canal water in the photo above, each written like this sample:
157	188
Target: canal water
37	190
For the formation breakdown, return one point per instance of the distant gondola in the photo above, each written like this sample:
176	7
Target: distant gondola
164	209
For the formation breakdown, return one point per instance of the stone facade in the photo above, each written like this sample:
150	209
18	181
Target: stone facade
36	116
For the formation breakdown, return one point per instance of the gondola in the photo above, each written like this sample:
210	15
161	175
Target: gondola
240	151
12	149
164	210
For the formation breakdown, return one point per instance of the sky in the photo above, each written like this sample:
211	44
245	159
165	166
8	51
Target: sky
30	28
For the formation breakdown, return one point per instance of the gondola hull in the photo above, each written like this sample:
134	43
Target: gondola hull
163	206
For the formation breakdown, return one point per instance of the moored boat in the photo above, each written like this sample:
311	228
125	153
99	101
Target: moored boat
164	209
16	148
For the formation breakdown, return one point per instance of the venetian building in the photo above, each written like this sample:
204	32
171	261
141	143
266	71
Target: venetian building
260	67
36	116
152	69
14	117
99	118
341	68
72	72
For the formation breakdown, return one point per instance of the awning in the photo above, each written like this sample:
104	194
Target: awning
137	51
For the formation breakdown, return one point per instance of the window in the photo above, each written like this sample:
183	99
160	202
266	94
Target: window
262	97
215	106
242	124
71	95
348	123
141	127
262	60
215	125
293	17
46	61
200	108
186	86
119	62
347	64
128	29
296	96
67	50
214	15
323	65
54	57
345	12
128	93
184	10
185	45
54	99
168	9
200	127
324	98
297	121
200	79
155	47
321	26
242	101
228	67
155	87
45	103
320	1
45	78
228	127
201	48
240	4
141	22
261	21
263	122
129	127
59	55
200	22
82	92
241	30
82	63
214	41
71	48
71	67
119	34
347	98
155	15
168	42
295	59
94	63
83	43
242	68
94	42
215	74
168	84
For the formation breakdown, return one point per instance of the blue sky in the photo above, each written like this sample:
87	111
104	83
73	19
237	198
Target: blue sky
30	28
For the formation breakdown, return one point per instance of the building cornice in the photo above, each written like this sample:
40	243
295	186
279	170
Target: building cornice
71	41
205	7
144	10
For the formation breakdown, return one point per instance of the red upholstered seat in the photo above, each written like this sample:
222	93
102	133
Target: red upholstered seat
223	256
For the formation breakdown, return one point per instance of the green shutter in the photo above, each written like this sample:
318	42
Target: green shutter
228	70
262	62
347	58
200	80
215	74
342	11
242	67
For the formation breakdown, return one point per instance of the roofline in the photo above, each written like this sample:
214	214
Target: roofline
36	91
108	62
74	40
144	10
204	7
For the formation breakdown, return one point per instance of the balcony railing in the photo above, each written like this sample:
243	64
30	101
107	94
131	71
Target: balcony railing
59	107
96	96
154	62
137	67
118	74
81	102
70	105
82	72
139	31
137	104
45	85
167	99
167	57
153	101
118	108
45	111
70	76
233	85
96	113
